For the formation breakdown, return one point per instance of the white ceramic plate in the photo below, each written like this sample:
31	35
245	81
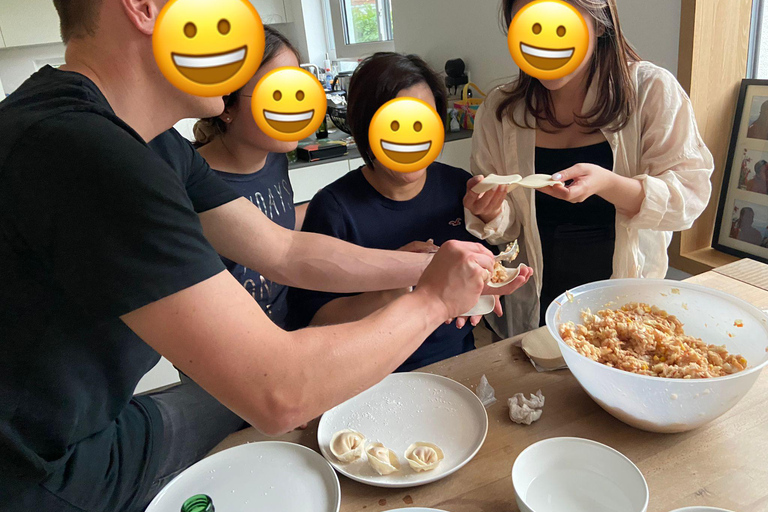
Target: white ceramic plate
483	307
402	409
577	475
259	476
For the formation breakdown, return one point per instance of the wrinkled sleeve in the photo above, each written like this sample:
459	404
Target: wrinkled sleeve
488	158
675	165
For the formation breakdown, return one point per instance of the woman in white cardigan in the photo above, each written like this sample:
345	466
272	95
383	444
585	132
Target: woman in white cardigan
620	134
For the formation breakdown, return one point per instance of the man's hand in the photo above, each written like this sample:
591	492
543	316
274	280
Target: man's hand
457	275
485	206
525	274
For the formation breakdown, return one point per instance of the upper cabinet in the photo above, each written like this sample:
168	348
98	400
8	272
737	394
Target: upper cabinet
271	11
28	22
25	22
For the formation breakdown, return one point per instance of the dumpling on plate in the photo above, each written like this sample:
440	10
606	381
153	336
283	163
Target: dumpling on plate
423	456
347	445
382	459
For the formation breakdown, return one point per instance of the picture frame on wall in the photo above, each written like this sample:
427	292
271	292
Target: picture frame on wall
741	228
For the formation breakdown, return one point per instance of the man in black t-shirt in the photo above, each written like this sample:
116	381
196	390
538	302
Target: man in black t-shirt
109	258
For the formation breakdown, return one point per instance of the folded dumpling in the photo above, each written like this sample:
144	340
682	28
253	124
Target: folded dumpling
347	445
382	459
423	456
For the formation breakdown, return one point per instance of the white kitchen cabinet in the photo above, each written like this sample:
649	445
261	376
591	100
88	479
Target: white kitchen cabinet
306	181
162	375
356	163
457	153
271	11
30	22
27	22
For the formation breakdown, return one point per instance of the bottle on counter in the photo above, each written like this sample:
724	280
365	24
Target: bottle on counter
322	132
198	503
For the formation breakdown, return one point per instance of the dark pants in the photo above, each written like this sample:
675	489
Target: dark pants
193	424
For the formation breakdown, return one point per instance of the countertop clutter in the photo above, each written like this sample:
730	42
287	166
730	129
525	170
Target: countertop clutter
353	153
721	464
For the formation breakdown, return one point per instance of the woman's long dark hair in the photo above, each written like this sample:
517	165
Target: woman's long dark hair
209	128
610	66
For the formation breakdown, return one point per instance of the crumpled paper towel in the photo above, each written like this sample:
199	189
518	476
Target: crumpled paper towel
526	410
485	392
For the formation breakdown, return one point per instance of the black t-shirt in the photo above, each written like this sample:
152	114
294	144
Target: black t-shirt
352	210
577	240
93	225
269	189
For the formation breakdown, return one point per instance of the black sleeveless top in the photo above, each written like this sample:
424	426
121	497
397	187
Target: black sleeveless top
577	239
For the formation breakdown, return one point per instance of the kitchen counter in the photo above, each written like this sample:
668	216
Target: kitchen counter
353	153
720	464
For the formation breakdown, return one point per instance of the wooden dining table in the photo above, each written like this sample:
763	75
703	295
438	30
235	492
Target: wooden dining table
723	464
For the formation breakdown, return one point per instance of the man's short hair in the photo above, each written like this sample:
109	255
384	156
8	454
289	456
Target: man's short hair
78	18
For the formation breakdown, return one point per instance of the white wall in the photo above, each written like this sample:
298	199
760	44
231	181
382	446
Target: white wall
440	30
17	64
308	29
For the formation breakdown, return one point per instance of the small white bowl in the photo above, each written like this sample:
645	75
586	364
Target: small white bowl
701	509
577	475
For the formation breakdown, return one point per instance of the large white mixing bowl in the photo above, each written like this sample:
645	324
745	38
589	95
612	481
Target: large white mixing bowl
660	404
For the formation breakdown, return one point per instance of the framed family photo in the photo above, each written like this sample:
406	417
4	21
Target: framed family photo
742	218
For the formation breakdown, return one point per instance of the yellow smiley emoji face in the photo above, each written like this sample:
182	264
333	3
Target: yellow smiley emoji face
406	135
548	39
289	104
208	48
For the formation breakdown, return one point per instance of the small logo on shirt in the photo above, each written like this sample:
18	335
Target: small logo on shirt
456	222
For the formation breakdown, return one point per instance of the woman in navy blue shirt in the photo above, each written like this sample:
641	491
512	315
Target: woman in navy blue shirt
379	208
255	165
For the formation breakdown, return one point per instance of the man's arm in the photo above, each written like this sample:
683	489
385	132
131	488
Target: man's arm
217	334
241	232
356	307
301	213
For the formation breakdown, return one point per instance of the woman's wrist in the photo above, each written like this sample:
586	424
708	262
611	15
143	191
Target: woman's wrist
488	218
626	194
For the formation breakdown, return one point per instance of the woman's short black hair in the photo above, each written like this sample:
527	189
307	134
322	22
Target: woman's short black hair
377	80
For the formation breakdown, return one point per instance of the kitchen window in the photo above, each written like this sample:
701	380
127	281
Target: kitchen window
360	27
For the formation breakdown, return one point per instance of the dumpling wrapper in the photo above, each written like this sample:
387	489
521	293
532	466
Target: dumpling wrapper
512	273
538	181
423	456
525	411
383	460
494	180
347	445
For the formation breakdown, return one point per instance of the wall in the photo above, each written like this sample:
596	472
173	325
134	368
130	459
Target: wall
308	32
440	30
17	64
